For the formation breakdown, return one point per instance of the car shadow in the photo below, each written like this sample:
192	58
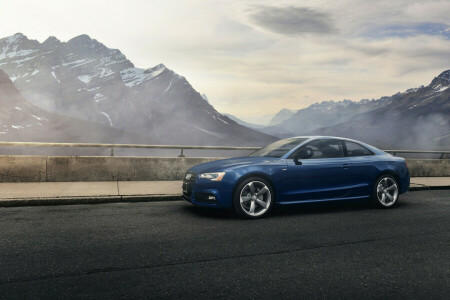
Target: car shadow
327	207
208	212
292	210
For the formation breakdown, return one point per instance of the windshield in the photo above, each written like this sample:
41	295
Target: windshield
279	148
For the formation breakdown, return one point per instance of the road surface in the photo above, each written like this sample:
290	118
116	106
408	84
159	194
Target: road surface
176	250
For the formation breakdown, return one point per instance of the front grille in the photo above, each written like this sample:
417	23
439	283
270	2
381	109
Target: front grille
188	184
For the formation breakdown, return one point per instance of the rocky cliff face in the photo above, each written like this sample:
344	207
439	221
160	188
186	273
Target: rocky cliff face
84	79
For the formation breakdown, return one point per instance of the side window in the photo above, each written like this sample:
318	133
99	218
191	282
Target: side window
321	149
354	149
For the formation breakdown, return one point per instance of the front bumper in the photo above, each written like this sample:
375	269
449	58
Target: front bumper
207	193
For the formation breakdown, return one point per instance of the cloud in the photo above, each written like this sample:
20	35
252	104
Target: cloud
292	20
252	57
410	29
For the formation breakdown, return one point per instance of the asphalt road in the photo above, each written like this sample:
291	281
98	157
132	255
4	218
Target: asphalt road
176	250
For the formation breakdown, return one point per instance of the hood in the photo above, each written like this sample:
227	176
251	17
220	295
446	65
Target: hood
231	163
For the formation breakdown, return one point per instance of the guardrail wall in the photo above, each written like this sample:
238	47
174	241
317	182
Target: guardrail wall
18	168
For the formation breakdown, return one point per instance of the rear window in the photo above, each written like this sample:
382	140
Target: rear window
355	149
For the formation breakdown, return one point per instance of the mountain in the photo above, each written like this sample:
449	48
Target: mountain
326	113
281	116
84	79
274	119
22	121
243	123
263	120
416	119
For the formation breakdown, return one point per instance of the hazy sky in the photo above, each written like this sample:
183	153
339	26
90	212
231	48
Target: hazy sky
256	57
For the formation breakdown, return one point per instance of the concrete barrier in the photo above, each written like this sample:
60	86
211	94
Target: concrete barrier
94	168
23	168
91	168
104	168
429	167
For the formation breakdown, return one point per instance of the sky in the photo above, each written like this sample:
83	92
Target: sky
253	58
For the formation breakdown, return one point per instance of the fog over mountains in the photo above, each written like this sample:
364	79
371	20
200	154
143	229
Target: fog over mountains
84	79
23	121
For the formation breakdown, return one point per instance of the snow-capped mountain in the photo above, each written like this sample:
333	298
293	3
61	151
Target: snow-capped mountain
84	79
418	118
326	113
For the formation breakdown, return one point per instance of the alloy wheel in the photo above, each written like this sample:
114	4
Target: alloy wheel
255	198
387	191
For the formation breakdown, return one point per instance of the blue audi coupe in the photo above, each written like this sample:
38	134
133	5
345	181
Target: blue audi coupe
298	170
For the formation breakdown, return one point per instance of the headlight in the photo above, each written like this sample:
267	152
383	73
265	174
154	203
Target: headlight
213	176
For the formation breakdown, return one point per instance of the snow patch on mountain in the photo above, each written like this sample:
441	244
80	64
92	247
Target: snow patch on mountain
85	78
14	53
169	86
54	76
98	97
209	132
109	119
106	72
205	97
330	104
37	118
136	76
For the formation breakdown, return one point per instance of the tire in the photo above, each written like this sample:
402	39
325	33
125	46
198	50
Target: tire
385	191
253	198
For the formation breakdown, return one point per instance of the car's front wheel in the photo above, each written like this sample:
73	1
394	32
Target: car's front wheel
386	191
253	198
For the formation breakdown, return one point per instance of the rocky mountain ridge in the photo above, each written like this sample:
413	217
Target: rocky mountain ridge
84	79
416	118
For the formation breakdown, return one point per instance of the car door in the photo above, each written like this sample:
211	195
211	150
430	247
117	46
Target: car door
363	168
323	176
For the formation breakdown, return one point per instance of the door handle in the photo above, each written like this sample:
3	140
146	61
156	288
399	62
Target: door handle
346	166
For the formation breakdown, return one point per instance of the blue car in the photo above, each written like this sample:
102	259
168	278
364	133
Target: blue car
298	170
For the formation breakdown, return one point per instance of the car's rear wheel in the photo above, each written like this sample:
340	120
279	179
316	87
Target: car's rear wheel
386	191
253	198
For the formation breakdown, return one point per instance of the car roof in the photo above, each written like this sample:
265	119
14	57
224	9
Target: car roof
317	137
325	137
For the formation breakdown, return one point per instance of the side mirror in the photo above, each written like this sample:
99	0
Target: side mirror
302	154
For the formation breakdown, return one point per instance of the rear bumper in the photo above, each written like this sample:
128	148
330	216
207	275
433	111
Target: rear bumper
404	184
